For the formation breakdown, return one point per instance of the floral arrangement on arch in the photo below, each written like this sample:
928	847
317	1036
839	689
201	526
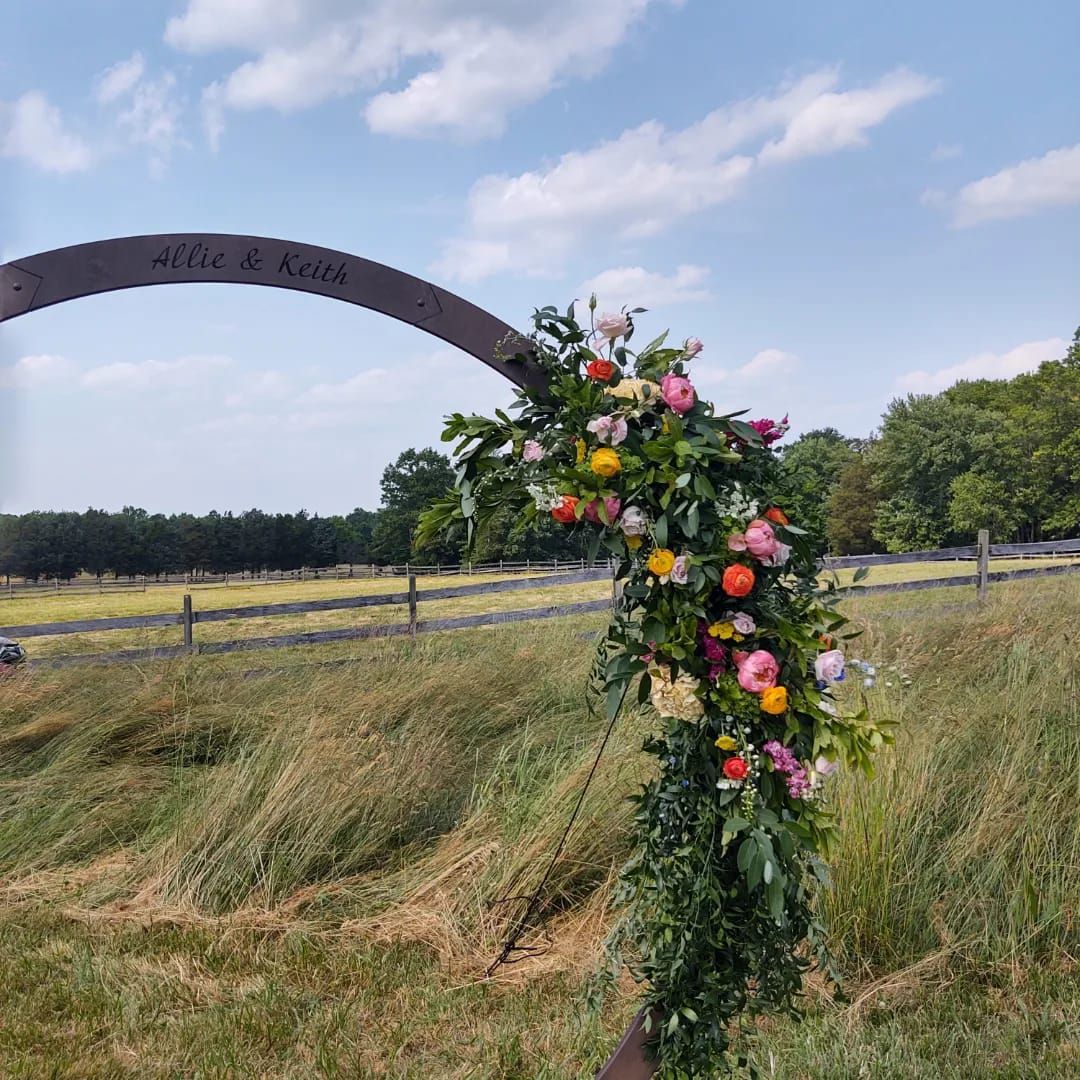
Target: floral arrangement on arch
732	641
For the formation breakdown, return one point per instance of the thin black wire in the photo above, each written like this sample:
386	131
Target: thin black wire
511	946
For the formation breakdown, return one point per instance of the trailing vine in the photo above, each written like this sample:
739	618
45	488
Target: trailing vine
733	642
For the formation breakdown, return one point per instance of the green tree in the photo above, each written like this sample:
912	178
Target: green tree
810	468
851	509
409	485
983	502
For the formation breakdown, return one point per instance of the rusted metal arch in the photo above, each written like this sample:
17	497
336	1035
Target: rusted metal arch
70	273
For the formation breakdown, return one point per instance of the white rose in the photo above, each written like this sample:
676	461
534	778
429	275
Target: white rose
612	326
634	522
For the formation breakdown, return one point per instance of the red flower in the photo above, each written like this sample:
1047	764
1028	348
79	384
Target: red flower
735	768
600	370
564	512
777	516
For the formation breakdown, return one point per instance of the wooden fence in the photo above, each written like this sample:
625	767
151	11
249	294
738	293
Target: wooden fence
187	619
411	598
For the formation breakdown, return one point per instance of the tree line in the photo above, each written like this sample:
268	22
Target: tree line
63	544
997	454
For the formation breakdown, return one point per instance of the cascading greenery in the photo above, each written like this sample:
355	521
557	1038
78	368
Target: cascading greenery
722	618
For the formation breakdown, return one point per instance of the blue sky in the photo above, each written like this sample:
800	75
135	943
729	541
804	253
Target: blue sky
844	201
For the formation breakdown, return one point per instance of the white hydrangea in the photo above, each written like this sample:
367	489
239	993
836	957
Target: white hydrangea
544	496
738	504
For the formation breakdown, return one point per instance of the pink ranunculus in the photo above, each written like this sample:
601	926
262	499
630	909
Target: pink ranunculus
737	542
743	623
612	326
611	505
758	670
678	393
681	569
829	666
608	429
761	541
532	451
691	347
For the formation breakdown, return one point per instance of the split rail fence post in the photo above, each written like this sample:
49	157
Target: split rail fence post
984	563
188	621
412	606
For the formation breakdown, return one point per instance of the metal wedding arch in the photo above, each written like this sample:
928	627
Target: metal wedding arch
130	262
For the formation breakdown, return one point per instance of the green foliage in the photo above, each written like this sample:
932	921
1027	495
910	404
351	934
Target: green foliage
850	509
716	899
810	469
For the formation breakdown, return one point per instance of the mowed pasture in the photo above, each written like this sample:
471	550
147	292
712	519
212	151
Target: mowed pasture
288	864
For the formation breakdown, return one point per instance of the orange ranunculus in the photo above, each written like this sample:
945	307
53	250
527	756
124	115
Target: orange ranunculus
564	512
738	580
605	462
774	701
601	370
777	516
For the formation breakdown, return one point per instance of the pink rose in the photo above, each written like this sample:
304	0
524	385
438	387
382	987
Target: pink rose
678	393
532	451
680	570
611	506
743	623
612	326
608	429
691	347
829	666
761	541
758	670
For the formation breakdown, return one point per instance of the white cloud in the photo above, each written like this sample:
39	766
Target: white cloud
634	286
1021	189
987	365
120	79
36	134
648	177
262	386
836	120
186	372
478	59
768	363
29	372
946	152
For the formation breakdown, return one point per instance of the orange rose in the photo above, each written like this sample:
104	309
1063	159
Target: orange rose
735	768
564	512
777	516
738	580
600	370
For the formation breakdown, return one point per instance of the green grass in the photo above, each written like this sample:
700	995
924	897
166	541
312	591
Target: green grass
213	871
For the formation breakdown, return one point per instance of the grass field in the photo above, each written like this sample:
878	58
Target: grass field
205	873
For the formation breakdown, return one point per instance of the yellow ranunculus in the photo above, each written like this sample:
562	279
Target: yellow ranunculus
580	451
722	630
633	542
774	701
726	742
661	562
605	462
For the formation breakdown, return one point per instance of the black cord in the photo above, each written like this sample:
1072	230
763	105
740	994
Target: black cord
534	899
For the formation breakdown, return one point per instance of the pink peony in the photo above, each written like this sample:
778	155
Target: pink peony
678	393
680	570
779	556
770	430
761	541
611	504
532	451
737	541
608	429
758	670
